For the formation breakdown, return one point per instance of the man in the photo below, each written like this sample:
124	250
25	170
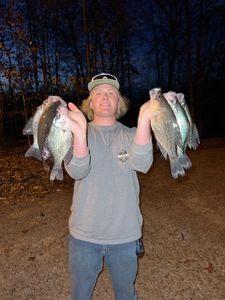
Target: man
105	219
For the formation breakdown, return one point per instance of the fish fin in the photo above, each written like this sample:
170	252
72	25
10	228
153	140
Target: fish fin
162	150
176	169
33	151
185	161
189	141
56	173
45	154
28	127
68	156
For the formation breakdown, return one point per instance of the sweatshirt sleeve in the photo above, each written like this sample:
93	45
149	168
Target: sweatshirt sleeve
78	168
141	156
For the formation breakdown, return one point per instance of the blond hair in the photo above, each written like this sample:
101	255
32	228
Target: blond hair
123	105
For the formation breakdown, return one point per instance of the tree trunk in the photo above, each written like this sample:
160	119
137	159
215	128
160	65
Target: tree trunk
86	31
156	47
188	47
1	120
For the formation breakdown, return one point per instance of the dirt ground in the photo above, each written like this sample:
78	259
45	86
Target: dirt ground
184	230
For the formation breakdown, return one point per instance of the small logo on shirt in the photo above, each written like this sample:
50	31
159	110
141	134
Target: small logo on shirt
123	155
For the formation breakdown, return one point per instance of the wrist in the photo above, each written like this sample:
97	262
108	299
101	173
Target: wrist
143	121
80	148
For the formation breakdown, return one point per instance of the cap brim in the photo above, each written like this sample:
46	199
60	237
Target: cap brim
92	84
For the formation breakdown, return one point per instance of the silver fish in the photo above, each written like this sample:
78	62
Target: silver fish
31	128
52	135
59	142
44	126
184	126
193	138
166	130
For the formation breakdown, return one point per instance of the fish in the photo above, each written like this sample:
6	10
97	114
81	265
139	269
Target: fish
44	126
31	128
59	142
52	135
183	124
193	138
166	131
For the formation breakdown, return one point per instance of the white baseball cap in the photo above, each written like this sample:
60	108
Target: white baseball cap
103	78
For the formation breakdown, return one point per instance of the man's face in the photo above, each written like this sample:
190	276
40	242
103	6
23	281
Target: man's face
104	100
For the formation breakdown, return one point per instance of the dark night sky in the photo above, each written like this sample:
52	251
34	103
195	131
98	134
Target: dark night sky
210	107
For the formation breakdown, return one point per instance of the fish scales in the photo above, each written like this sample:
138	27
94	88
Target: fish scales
184	127
193	138
32	128
44	126
52	135
60	142
166	130
180	115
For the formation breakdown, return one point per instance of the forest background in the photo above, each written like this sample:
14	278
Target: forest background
54	47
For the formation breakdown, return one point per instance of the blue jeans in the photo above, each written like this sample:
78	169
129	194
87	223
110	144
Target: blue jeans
86	262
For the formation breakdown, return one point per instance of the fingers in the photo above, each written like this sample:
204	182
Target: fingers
72	106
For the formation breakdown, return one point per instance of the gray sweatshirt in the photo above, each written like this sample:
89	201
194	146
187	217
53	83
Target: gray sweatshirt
105	208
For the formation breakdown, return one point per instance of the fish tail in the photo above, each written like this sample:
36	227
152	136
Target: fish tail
33	151
185	161
176	168
193	144
56	173
193	140
195	137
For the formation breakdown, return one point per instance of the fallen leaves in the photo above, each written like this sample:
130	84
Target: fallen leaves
24	177
210	267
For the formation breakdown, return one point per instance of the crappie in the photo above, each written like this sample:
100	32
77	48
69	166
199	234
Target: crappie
59	142
193	138
44	126
184	127
166	130
52	135
32	128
